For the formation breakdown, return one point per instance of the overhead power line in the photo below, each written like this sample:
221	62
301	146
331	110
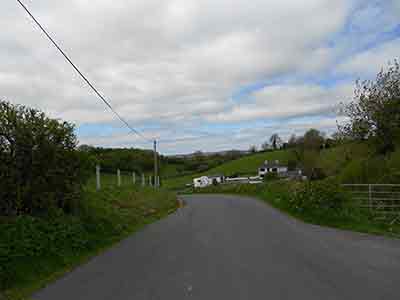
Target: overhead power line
107	103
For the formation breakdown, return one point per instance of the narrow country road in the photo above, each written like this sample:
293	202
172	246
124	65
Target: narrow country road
227	247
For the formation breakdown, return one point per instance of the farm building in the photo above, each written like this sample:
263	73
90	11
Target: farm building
272	167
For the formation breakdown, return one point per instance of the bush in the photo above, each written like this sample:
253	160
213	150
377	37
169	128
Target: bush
317	197
40	170
271	176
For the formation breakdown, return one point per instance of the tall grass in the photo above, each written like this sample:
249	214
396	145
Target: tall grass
36	250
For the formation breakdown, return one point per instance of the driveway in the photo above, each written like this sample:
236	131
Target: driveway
228	247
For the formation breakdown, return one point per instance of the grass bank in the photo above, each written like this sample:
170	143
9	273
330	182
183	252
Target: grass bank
321	203
36	250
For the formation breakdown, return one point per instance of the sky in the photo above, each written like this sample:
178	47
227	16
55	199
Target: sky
205	75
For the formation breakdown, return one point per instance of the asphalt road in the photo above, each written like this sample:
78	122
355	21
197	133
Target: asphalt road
225	247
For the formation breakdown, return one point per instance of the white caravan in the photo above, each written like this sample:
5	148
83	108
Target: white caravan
201	182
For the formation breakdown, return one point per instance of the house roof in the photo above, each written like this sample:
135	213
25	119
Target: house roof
272	164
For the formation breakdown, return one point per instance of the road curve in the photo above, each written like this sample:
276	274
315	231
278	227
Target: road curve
227	247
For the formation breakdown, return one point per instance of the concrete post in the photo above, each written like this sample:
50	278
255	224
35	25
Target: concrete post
143	180
119	177
133	178
98	183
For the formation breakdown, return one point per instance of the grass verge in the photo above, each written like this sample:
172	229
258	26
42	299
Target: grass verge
38	250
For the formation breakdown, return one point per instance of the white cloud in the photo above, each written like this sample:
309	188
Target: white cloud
370	62
285	101
175	63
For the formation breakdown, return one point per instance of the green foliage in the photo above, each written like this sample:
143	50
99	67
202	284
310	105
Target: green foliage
276	141
317	197
271	176
375	112
40	170
32	249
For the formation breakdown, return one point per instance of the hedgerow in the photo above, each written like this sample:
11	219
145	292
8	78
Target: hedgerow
40	169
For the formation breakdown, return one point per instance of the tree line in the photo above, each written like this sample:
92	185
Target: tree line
373	118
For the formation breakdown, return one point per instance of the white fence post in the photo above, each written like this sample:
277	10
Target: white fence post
143	180
150	183
98	183
119	177
133	178
370	196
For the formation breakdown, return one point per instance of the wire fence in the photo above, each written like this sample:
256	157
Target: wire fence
123	178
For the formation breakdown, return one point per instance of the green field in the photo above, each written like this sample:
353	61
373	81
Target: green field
37	250
247	165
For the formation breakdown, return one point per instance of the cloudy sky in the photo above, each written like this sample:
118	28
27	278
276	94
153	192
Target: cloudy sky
196	74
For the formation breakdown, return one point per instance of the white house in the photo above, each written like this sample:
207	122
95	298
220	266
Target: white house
272	167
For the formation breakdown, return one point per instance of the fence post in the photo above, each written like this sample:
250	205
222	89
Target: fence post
133	178
143	180
98	183
370	196
119	177
150	183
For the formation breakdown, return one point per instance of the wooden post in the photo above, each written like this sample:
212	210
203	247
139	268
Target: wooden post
133	178
143	180
98	183
119	177
150	183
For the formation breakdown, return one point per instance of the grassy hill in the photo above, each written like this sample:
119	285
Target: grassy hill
349	163
247	165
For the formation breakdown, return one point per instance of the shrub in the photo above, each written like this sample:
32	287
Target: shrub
40	170
271	176
317	197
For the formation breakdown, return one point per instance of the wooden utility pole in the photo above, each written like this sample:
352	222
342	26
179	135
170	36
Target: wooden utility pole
155	164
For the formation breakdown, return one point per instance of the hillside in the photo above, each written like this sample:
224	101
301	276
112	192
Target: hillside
247	165
350	163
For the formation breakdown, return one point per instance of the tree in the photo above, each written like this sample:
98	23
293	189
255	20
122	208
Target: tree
307	151
40	170
253	149
292	141
374	113
313	140
275	141
265	146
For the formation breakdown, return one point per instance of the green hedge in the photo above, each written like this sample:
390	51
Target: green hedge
40	169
